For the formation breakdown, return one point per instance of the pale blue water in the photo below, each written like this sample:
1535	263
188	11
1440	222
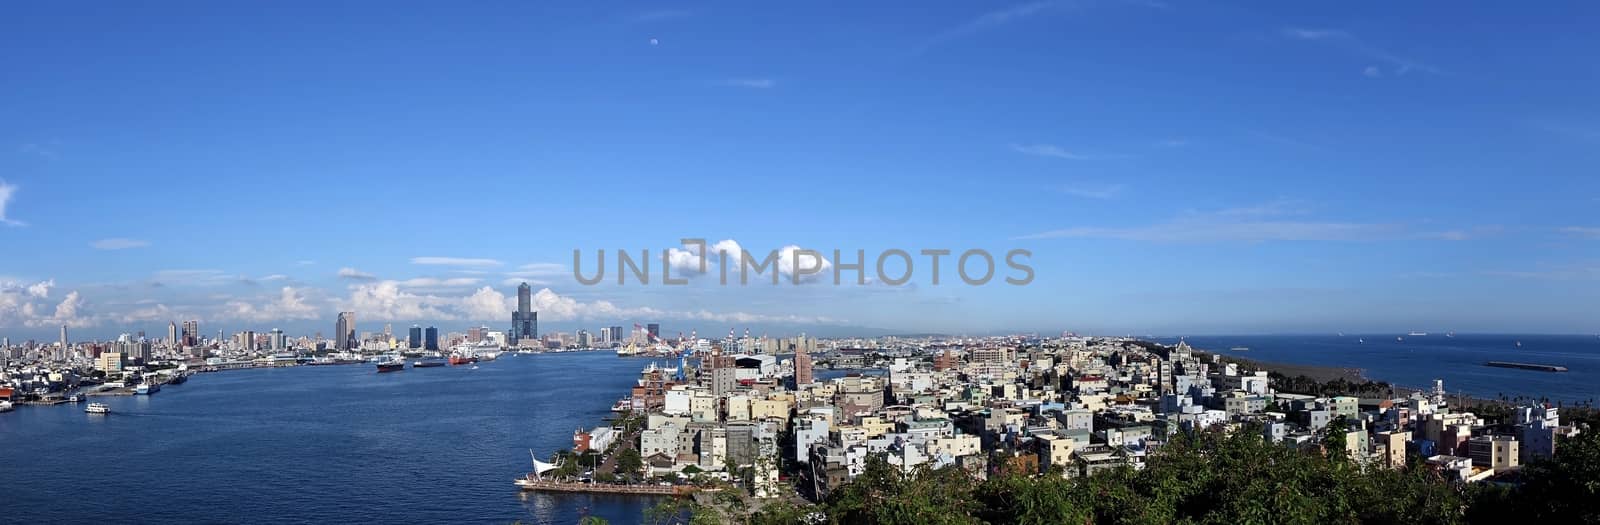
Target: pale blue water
1418	360
327	444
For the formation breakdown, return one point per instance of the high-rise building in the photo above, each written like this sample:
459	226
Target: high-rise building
344	332
172	335
654	329
802	367
616	334
430	339
191	333
279	341
414	339
524	321
475	333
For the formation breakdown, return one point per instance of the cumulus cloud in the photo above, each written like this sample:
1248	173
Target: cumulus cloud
356	275
290	304
25	305
7	191
486	303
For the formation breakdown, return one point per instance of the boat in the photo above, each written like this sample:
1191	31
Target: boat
178	379
1361	341
145	389
623	405
75	398
428	363
1527	366
391	366
1397	338
1417	334
6	406
97	408
1519	344
1240	349
458	359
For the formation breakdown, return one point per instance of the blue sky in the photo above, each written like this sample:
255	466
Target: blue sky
1174	167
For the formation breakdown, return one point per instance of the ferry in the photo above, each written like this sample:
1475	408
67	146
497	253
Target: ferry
97	408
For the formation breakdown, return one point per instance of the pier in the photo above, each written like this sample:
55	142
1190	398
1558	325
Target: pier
1526	366
604	488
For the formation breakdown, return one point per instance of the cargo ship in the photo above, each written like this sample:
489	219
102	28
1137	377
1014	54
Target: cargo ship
391	366
1526	366
428	363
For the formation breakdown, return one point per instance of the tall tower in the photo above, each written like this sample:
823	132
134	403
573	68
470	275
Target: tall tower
191	333
172	335
524	321
63	354
802	367
344	331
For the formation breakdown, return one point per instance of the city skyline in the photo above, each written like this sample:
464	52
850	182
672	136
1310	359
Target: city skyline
1267	169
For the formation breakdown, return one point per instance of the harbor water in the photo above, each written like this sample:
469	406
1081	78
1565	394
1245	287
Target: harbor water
318	444
1415	361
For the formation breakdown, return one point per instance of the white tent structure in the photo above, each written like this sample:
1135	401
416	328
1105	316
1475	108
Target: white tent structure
540	467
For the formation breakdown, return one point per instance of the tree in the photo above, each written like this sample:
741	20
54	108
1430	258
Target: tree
629	462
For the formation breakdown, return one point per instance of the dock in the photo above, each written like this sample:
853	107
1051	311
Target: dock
604	488
1526	366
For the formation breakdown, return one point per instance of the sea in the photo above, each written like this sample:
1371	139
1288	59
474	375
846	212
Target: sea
319	444
344	444
1417	360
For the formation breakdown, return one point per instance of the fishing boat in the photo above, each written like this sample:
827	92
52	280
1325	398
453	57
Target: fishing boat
97	408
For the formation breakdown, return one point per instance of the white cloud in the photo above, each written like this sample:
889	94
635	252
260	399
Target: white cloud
752	83
384	300
1587	232
41	289
456	261
7	191
1252	224
486	304
1047	150
544	269
66	313
434	282
195	277
118	243
289	305
1372	72
274	277
1350	43
1093	192
987	21
356	275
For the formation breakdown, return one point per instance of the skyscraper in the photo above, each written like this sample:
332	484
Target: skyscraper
414	339
524	321
191	333
802	367
344	331
430	339
63	354
172	335
654	329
